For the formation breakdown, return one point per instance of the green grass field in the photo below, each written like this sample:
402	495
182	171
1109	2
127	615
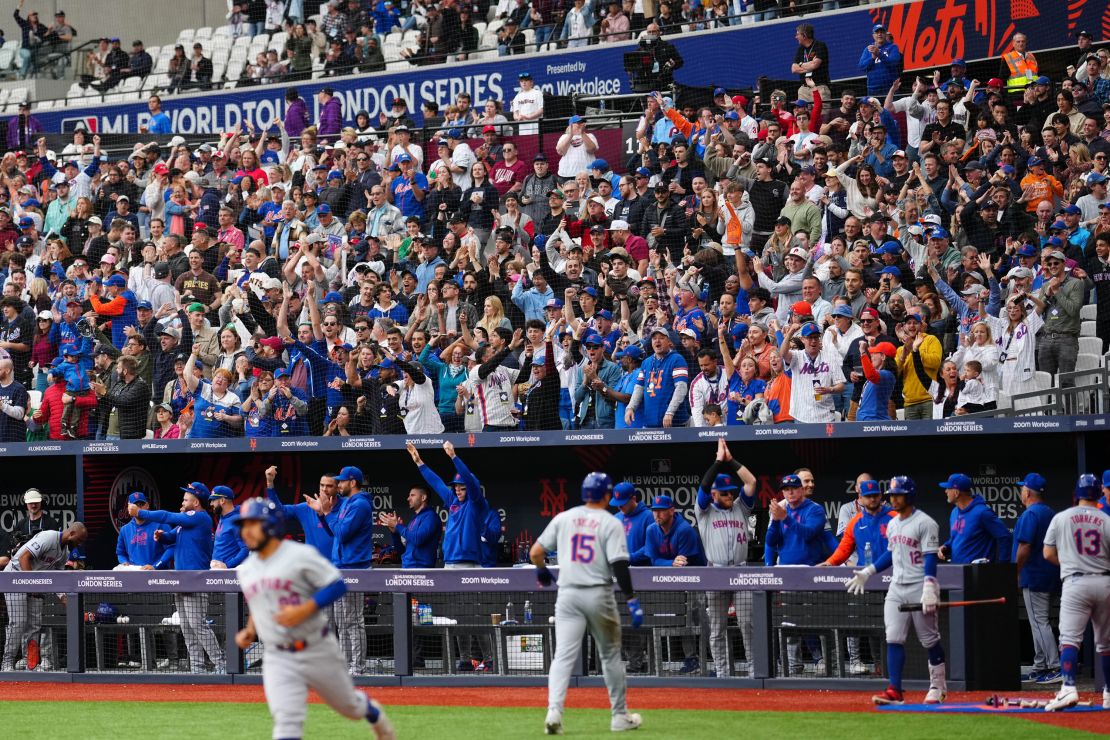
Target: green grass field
165	721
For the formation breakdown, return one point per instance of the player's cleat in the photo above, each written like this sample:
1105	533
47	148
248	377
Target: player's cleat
1050	677
935	695
938	685
553	723
1065	698
486	666
858	669
690	665
383	728
1106	698
6	667
21	664
45	665
1032	677
626	721
890	696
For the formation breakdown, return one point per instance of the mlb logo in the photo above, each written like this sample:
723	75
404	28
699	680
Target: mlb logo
85	123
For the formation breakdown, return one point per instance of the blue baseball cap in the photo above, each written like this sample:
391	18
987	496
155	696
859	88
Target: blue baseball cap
738	331
1027	250
1072	210
732	116
622	494
593	338
869	488
1054	241
281	373
957	62
553	303
199	490
332	297
1058	226
890	270
598	164
890	247
662	502
335	175
590	291
404	158
878	27
809	329
138	497
1095	177
144	306
605	314
724	482
643	171
458	480
350	473
633	350
576	119
959	481
323	208
222	492
454	133
116	281
1106	478
1007	169
844	311
1042	80
939	233
1036	482
790	481
1034	161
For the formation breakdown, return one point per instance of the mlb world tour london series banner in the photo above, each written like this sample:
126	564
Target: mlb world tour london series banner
930	33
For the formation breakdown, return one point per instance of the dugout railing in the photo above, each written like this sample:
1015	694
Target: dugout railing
434	627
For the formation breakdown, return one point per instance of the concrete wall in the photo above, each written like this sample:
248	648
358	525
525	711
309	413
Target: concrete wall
155	22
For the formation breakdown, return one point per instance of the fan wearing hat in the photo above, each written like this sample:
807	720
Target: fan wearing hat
661	385
121	308
192	550
527	104
917	344
1063	295
1040	185
817	374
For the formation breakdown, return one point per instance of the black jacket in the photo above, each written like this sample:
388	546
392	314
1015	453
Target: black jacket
132	403
673	220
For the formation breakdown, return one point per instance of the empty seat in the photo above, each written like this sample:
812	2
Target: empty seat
1088	312
1087	329
204	32
4	93
1090	345
18	95
131	84
154	51
7	56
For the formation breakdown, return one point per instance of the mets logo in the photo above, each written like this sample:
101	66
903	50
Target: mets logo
254	443
127	482
830	429
471	439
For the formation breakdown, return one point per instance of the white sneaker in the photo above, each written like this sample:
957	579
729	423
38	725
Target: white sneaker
383	728
1106	698
1065	698
21	664
553	724
938	685
858	669
627	721
45	665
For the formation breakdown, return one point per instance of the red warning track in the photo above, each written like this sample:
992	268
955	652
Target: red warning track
715	699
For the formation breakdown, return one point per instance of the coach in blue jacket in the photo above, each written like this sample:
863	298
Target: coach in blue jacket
352	548
137	544
418	541
192	541
228	549
316	515
796	534
975	532
671	541
635	518
466	510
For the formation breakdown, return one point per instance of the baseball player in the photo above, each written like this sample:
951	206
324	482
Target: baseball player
1104	502
722	512
352	547
288	588
228	549
592	550
192	541
1037	578
136	546
47	550
1078	540
863	535
912	539
316	515
975	531
418	540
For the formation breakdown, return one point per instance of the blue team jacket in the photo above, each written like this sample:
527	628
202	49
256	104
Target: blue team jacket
317	529
683	539
636	526
354	532
421	539
136	544
799	539
228	547
1037	574
976	532
491	537
462	535
192	540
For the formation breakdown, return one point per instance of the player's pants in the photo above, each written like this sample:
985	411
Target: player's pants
898	623
1046	654
576	610
287	677
1083	599
794	651
718	602
192	609
854	654
351	629
24	623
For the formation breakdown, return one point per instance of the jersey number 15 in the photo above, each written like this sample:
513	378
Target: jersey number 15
582	548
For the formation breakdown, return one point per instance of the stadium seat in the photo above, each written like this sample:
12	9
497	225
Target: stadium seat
18	95
480	28
222	32
1089	312
1087	329
204	32
1044	380
7	56
1090	345
394	37
154	51
4	93
242	41
75	91
131	84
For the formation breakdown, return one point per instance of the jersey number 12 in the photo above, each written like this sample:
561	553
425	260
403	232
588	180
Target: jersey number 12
582	548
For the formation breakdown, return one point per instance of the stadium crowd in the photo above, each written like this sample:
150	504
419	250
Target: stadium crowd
778	262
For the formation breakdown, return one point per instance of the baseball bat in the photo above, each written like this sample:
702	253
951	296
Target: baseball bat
950	604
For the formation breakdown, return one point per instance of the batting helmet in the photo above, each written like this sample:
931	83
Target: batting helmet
1087	487
267	512
902	485
595	486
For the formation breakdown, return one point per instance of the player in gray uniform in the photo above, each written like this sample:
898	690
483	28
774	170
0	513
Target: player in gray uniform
592	549
1078	540
722	512
912	541
288	587
47	550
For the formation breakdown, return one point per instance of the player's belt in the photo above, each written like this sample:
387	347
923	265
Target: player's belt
1080	575
297	646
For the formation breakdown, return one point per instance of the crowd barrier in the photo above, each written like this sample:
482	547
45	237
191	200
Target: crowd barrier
421	627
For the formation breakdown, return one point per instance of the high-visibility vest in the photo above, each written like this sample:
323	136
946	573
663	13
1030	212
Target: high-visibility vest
1022	70
734	230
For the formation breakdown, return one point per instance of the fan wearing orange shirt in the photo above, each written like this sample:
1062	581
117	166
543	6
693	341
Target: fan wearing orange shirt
1038	186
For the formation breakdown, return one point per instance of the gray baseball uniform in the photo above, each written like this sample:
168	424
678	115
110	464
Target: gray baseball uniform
587	542
25	610
724	537
909	540
1081	536
302	657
